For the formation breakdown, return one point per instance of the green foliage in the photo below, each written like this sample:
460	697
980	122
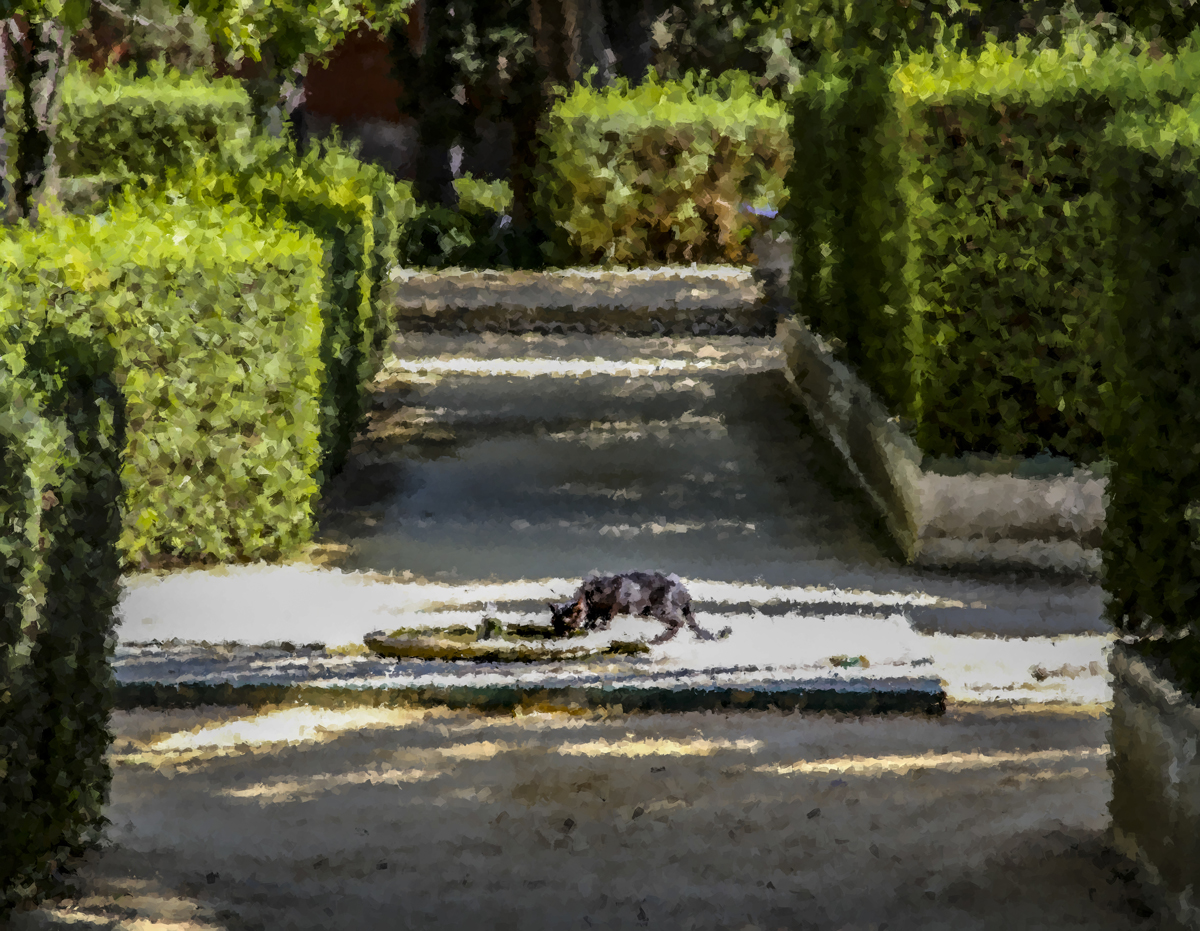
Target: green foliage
195	328
61	432
118	125
1152	527
963	255
358	213
1170	21
658	173
216	324
477	196
475	235
441	237
292	32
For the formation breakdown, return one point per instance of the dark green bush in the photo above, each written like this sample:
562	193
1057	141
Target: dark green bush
170	353
440	237
216	322
961	253
61	434
1152	530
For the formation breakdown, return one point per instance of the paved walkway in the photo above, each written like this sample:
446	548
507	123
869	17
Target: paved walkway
500	469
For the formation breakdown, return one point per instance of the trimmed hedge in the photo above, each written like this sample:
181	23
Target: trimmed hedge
1152	532
961	253
657	173
172	353
359	214
115	125
217	325
61	432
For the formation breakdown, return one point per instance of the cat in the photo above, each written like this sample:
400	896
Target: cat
642	594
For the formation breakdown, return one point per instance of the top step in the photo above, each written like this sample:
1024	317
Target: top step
673	299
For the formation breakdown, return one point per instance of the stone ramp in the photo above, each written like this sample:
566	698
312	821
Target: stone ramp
797	659
299	629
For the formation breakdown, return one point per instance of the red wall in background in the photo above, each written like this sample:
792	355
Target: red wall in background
356	84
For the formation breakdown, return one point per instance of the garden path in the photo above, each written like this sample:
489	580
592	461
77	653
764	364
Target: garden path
512	457
502	467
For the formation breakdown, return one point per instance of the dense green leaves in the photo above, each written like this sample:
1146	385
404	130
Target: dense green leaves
216	323
1152	533
119	126
962	249
660	172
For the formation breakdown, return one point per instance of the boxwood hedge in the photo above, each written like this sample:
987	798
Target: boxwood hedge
1152	530
216	320
358	213
959	248
659	172
159	386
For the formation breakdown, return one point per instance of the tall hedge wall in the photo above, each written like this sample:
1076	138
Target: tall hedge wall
1152	530
61	433
958	247
216	320
357	212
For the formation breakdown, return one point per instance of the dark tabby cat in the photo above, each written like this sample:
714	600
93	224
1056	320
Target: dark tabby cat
642	594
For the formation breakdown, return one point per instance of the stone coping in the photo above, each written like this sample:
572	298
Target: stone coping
1140	680
789	662
973	518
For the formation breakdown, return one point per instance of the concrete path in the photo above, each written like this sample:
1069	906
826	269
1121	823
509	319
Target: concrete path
499	470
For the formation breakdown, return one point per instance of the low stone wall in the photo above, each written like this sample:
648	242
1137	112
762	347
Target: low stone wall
692	300
970	519
1155	806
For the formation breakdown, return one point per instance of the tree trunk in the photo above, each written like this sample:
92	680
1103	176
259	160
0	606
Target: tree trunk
39	57
549	29
7	192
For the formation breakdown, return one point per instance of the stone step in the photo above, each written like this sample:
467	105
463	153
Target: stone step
682	299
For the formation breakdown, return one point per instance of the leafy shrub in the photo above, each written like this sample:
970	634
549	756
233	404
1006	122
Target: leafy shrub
961	252
441	237
1152	527
476	196
658	173
216	322
61	433
171	351
117	125
359	213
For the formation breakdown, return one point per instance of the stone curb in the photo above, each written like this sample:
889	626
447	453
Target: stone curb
901	697
1156	783
716	300
943	520
189	674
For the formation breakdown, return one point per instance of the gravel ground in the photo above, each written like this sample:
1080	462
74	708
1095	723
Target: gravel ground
483	471
988	817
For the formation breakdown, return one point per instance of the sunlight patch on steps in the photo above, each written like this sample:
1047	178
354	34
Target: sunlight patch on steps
657	747
947	762
569	368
